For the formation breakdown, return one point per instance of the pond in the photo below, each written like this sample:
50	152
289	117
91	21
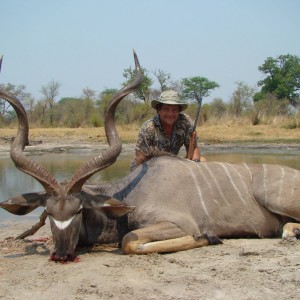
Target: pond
62	165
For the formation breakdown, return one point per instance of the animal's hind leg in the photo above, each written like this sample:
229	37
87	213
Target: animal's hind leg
160	237
277	189
291	231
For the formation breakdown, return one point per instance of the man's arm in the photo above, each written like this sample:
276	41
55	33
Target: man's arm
139	158
193	151
144	144
196	153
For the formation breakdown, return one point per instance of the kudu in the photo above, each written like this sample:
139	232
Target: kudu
171	203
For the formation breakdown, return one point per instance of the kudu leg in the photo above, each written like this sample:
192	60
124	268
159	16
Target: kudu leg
35	227
291	231
288	207
161	237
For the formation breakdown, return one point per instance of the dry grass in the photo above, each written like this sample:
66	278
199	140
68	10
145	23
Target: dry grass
208	134
128	133
248	133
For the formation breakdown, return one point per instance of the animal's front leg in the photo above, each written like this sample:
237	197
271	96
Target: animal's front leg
291	231
161	237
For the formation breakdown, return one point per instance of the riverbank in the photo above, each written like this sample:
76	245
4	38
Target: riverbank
210	138
208	135
65	146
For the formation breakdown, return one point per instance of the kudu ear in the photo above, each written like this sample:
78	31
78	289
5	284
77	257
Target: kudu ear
25	203
114	208
110	207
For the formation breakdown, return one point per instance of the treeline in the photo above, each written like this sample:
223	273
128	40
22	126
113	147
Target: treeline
277	95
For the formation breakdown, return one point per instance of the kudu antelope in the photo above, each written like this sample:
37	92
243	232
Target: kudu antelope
171	203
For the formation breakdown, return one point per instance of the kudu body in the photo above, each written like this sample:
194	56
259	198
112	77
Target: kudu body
171	203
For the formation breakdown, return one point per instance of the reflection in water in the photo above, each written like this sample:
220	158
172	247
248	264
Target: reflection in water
63	165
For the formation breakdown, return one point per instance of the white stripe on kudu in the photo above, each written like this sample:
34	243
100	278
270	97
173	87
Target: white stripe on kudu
208	183
225	167
248	169
197	186
62	224
265	184
246	187
280	184
215	181
293	180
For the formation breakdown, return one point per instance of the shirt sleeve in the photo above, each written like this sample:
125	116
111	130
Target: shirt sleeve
145	140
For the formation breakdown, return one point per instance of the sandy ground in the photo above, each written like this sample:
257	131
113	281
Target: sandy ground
238	269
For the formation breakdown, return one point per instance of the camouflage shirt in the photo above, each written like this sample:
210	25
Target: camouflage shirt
152	135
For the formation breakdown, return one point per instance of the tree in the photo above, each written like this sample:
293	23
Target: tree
282	78
269	106
195	88
163	79
144	90
19	92
88	93
177	86
70	112
105	97
242	99
88	103
50	92
217	108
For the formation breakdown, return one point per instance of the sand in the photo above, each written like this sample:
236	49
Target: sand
237	269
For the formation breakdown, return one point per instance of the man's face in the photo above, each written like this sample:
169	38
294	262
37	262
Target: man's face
169	114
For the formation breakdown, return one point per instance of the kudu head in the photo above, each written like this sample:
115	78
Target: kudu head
64	202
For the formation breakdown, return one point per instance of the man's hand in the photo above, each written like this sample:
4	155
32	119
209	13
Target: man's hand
139	157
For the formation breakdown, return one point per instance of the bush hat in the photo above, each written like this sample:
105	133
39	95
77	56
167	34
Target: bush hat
169	97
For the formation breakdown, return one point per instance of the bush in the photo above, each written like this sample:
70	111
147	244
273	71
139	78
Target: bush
291	123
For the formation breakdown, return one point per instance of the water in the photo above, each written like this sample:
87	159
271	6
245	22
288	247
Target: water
63	165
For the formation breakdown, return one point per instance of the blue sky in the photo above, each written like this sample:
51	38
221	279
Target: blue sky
89	43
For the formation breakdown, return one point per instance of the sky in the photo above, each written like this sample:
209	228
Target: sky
89	43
